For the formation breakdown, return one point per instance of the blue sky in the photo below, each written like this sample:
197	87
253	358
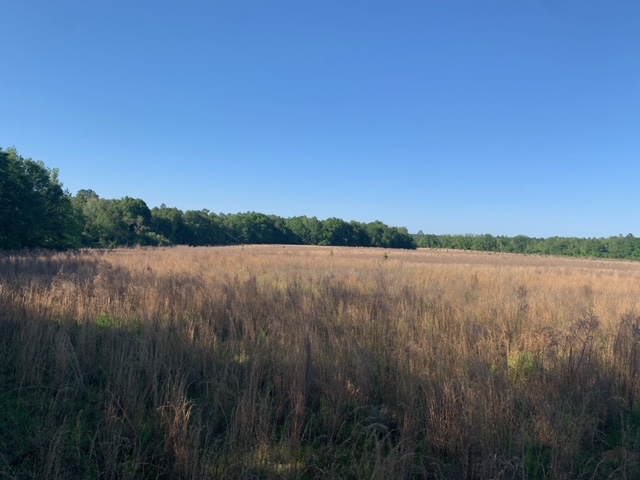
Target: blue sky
447	116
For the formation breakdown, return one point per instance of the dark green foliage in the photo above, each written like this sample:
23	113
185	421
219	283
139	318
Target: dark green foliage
35	211
620	247
336	231
308	231
111	223
168	223
203	228
258	228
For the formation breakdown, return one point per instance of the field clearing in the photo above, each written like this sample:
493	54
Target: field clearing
317	362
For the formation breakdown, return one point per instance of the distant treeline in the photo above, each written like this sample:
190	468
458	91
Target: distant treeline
622	247
36	212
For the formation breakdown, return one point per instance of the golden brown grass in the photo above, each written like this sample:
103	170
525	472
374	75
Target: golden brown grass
317	362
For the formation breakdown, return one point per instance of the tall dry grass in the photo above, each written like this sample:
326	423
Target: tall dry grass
309	362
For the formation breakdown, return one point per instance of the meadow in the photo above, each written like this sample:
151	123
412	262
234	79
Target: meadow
317	362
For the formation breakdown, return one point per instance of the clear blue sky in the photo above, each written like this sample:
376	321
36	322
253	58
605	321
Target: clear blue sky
448	116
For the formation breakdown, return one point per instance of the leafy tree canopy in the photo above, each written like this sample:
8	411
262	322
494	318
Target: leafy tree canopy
35	210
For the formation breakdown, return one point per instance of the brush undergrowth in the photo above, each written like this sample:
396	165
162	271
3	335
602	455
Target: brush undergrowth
271	362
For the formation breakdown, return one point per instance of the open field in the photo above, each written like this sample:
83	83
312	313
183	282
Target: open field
317	362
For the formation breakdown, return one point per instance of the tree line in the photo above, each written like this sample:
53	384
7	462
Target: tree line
617	247
36	212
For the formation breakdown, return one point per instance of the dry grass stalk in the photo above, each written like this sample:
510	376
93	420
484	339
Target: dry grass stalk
299	362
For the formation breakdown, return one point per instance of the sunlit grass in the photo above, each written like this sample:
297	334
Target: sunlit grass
314	362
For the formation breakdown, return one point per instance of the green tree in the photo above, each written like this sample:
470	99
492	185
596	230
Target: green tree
257	228
429	241
376	231
203	228
359	235
168	223
520	244
337	232
112	223
35	210
136	217
307	231
103	226
485	243
398	237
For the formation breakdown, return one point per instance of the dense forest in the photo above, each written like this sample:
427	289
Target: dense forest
36	212
621	247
